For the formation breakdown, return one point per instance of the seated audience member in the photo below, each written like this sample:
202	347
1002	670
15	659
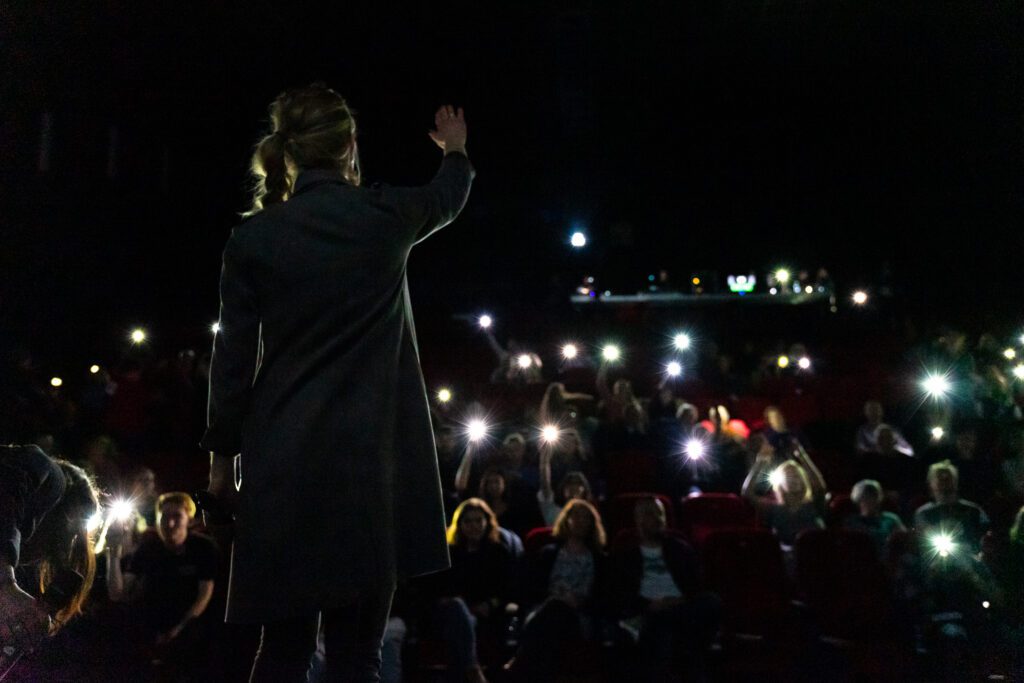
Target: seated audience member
869	438
655	585
799	492
565	582
1013	465
471	597
573	484
871	518
512	505
142	493
169	581
948	513
560	407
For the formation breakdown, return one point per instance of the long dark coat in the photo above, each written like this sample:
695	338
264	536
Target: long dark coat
315	380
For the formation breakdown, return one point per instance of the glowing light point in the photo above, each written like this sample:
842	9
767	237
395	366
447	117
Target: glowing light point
776	477
694	449
986	604
93	369
674	369
782	275
938	433
1009	354
94	523
936	386
578	240
549	433
444	395
56	381
783	362
122	510
682	341
477	430
215	328
569	351
860	298
485	321
943	544
804	363
611	353
1018	371
524	361
773	290
808	290
138	335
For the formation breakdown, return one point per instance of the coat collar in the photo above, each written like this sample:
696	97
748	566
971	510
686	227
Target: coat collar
317	176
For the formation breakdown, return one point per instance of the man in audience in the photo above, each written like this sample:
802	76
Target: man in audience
949	514
655	583
169	579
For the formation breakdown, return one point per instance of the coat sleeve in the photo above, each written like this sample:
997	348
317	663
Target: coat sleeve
235	348
425	210
31	484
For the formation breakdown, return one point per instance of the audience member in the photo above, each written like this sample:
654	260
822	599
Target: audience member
948	513
870	518
869	436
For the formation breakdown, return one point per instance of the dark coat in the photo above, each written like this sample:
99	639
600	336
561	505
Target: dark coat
31	484
315	379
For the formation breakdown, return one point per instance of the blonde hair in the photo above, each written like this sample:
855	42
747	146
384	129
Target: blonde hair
943	466
598	538
179	498
470	504
311	127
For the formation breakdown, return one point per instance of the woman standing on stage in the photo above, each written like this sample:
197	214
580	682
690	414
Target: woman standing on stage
315	385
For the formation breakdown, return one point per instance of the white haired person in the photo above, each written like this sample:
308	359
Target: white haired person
870	518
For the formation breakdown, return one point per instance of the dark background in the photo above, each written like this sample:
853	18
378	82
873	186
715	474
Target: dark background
880	139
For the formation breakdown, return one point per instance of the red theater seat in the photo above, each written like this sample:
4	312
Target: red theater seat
537	539
745	568
702	514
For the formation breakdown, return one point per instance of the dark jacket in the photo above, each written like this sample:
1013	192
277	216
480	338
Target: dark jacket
628	573
31	484
537	575
315	379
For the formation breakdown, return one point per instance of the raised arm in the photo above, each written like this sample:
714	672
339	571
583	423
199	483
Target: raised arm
602	383
545	471
465	468
818	486
762	463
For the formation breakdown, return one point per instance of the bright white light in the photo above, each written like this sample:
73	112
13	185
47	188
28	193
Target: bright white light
938	433
742	279
611	353
682	341
578	240
549	433
674	369
804	363
782	275
860	298
773	290
1009	354
936	386
95	522
1018	371
694	449
1021	340
444	395
943	544
783	361
215	328
477	429
569	351
93	369
524	361
122	510
56	381
485	321
985	604
138	335
808	290
776	477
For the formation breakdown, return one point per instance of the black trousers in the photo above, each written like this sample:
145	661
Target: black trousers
352	640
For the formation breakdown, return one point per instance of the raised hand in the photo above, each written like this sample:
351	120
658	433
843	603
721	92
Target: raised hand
449	129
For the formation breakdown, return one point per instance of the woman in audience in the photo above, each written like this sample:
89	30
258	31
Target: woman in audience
471	597
871	518
565	581
560	407
573	484
799	493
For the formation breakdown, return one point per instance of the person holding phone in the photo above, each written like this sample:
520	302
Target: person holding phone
316	389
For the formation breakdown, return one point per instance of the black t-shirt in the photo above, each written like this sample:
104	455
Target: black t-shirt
171	580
